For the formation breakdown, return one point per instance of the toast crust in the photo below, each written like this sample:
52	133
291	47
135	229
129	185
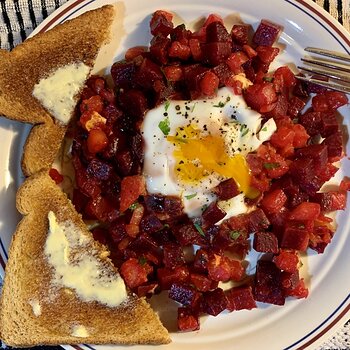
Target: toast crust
28	279
76	40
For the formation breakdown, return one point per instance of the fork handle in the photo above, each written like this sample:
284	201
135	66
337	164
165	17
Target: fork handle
329	53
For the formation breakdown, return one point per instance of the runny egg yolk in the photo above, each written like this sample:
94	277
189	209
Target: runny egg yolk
198	156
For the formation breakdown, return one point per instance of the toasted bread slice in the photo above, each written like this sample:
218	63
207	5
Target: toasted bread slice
75	41
35	310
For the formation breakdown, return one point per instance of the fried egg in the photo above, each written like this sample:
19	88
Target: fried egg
192	146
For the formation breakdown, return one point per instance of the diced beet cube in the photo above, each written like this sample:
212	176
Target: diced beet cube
332	200
214	302
273	201
187	320
161	23
287	261
258	221
335	144
212	214
266	55
312	122
117	231
154	203
173	256
79	200
223	268
201	261
179	50
159	49
260	96
134	102
167	277
301	168
240	222
187	234
181	34
144	245
147	74
317	152
133	273
289	280
240	298
239	34
268	288
216	32
183	294
280	109
100	235
193	75
102	209
295	238
300	291
329	123
295	106
226	189
150	223
320	238
266	33
196	51
306	211
223	72
122	73
99	170
173	206
265	242
202	282
215	53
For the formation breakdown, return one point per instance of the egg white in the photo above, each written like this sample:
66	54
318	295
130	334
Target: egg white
227	115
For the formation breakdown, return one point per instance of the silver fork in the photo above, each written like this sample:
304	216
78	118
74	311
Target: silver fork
325	72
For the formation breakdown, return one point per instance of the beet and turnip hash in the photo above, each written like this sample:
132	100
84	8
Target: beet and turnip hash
153	242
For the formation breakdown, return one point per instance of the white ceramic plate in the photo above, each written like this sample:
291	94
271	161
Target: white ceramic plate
300	324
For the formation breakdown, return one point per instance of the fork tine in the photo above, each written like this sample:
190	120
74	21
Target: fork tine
326	84
330	74
326	64
329	53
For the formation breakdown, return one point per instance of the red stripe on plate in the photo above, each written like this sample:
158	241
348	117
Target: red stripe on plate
54	19
322	16
77	347
319	335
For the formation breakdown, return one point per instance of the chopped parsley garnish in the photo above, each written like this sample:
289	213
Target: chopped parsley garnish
164	126
244	130
190	196
199	229
264	129
268	79
142	260
133	206
220	105
235	234
270	166
166	106
194	105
